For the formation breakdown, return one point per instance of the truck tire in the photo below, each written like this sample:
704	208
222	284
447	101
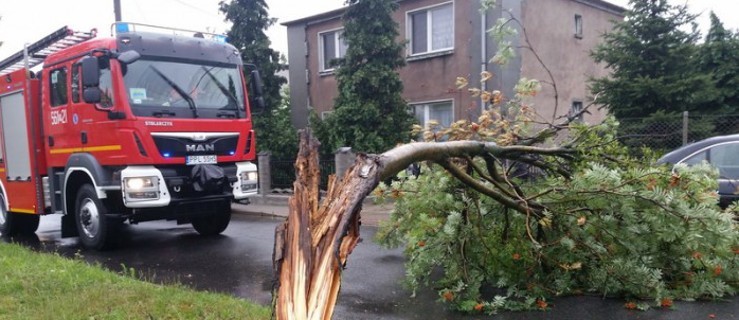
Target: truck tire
213	224
95	230
12	224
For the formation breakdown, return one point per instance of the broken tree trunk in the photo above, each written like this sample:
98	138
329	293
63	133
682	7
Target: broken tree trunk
312	246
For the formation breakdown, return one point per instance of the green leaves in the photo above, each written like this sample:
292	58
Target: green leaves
618	227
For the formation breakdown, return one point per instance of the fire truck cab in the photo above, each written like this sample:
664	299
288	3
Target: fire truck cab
151	123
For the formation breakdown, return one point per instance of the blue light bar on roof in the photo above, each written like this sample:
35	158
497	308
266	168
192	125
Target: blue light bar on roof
127	27
122	27
220	38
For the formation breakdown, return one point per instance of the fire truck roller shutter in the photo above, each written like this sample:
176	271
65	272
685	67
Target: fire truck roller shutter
14	124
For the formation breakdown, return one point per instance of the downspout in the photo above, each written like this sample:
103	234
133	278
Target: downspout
483	54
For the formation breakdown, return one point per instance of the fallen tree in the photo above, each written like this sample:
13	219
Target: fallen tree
312	246
597	216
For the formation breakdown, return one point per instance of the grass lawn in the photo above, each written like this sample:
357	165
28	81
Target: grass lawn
46	286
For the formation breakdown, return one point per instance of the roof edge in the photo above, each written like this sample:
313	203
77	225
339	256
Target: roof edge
329	15
338	13
604	5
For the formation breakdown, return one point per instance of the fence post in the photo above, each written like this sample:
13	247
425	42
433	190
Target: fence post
265	174
344	158
685	127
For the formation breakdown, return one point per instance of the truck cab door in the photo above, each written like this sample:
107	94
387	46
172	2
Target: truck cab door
98	130
62	135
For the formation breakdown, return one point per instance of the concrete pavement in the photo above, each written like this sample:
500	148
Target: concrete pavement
276	206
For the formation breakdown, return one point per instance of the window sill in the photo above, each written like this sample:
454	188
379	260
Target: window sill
326	73
578	36
424	56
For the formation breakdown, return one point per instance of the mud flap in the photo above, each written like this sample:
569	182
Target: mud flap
69	228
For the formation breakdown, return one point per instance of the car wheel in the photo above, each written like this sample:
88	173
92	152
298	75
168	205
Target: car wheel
95	230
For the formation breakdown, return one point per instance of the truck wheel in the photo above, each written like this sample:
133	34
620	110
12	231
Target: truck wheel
16	223
95	230
213	224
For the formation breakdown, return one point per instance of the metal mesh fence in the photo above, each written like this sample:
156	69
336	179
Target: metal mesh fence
668	132
283	173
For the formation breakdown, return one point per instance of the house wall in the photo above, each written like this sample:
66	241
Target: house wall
425	78
550	29
567	56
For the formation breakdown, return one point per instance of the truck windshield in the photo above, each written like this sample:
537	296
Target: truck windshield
184	90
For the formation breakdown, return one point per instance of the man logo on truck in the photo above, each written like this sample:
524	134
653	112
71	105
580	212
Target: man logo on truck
200	147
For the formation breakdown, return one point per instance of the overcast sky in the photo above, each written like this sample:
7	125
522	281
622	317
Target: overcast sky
26	21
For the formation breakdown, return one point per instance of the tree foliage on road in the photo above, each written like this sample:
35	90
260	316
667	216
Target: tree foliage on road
250	20
369	113
528	226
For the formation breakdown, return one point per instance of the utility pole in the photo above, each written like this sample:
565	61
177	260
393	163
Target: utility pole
117	10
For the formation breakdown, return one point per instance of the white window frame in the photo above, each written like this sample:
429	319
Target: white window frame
578	26
321	48
429	29
426	111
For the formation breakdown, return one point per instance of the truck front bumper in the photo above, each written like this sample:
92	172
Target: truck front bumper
153	187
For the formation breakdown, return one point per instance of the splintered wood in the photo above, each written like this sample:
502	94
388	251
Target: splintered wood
312	246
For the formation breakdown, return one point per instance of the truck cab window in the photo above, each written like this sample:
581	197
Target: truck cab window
58	87
106	84
75	83
106	89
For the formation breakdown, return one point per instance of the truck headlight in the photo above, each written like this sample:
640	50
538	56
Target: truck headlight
140	183
141	188
249	180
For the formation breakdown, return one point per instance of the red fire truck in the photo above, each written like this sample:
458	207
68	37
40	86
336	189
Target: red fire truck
151	123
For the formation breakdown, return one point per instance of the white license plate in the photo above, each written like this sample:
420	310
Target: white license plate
193	160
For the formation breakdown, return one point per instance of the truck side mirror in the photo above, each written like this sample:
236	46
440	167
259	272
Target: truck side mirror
92	95
90	72
257	91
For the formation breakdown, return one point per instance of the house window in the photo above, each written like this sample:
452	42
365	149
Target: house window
332	46
431	29
578	26
58	87
440	112
576	109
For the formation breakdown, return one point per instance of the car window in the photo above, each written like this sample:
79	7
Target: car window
696	159
726	158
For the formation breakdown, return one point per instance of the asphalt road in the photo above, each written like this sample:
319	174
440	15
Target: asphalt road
239	262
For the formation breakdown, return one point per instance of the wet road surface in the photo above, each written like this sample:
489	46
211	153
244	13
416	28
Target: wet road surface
239	262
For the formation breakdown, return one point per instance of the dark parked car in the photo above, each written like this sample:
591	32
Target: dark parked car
723	153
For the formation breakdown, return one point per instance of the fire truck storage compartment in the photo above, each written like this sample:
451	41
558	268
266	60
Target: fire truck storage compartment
15	137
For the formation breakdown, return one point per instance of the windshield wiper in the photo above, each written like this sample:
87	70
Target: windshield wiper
179	90
224	90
